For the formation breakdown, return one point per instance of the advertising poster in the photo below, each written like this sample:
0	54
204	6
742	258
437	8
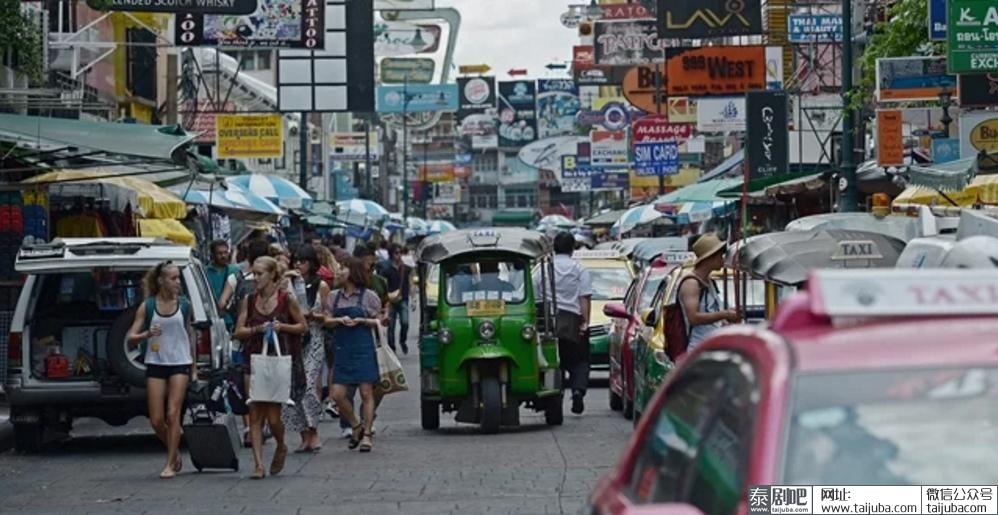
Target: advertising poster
393	38
890	137
767	150
178	6
352	146
546	154
557	105
200	117
436	172
716	70
417	98
274	24
249	136
658	158
607	180
517	113
721	114
904	79
972	36
945	150
414	70
978	132
814	28
645	88
476	114
693	19
627	43
979	90
608	148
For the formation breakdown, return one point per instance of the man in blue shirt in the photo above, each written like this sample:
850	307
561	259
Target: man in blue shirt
219	272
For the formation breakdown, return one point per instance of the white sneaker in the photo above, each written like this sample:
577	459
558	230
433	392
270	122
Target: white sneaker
346	433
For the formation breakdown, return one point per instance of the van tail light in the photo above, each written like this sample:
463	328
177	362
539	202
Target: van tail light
14	350
203	345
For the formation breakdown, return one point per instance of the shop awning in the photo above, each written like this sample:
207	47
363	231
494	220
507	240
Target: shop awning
982	189
228	199
150	200
132	139
608	218
729	165
700	192
521	218
169	229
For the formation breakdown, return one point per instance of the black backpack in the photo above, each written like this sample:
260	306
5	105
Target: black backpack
244	287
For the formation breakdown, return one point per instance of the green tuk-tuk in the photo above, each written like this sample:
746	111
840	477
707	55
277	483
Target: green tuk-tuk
487	343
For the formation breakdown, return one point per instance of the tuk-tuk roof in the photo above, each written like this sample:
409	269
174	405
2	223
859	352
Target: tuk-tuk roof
788	257
531	244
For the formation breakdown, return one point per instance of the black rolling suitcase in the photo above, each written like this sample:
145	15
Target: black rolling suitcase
212	438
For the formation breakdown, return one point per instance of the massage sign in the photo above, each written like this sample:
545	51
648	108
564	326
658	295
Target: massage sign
715	70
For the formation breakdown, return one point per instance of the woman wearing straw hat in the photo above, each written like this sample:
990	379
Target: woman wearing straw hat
700	300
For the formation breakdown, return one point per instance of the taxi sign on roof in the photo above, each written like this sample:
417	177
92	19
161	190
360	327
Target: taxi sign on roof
904	292
596	254
677	257
857	249
484	238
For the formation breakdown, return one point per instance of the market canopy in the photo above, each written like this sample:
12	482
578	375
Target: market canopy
229	199
132	139
278	190
172	230
361	211
148	199
983	189
635	216
700	192
608	218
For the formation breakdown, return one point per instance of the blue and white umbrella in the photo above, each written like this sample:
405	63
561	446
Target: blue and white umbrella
439	226
367	208
232	198
559	221
635	216
280	191
417	225
696	212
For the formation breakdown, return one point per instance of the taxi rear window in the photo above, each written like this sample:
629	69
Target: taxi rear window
894	427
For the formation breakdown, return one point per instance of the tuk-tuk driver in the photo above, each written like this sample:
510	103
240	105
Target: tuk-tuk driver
574	293
490	280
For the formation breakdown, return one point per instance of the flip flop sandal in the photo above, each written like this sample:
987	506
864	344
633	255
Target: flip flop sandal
167	474
280	455
366	444
258	474
178	465
355	437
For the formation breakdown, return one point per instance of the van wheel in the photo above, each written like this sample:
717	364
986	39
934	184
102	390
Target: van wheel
554	414
491	405
616	403
430	414
124	360
28	438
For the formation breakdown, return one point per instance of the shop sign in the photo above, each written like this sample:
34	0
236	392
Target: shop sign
517	115
395	38
608	148
979	90
905	79
285	24
396	70
721	114
632	11
612	116
768	148
476	115
605	180
600	75
583	57
627	43
417	98
682	110
814	28
557	105
436	172
446	193
658	128
691	19
546	154
937	20
239	136
659	159
972	36
352	146
890	137
978	132
816	113
716	70
945	150
575	167
202	118
229	7
645	88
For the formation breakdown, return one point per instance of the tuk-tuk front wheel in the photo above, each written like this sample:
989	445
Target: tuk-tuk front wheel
491	405
554	413
429	412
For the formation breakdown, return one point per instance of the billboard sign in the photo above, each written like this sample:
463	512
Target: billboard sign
978	132
716	70
417	98
694	19
517	113
972	36
658	128
645	88
476	114
557	105
352	146
274	24
546	154
415	70
627	43
241	136
814	28
393	38
721	114
768	147
436	172
980	90
607	180
905	79
228	7
608	148
937	20
659	158
890	137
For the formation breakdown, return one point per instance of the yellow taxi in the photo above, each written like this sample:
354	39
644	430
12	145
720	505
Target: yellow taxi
611	273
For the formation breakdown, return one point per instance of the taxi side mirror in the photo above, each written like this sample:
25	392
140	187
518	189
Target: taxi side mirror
616	310
649	317
662	509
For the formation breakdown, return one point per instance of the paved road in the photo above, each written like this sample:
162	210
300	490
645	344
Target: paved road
532	469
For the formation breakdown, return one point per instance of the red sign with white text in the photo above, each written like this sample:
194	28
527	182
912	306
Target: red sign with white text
583	57
626	12
651	129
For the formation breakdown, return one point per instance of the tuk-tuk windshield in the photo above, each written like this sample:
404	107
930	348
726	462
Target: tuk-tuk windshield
486	280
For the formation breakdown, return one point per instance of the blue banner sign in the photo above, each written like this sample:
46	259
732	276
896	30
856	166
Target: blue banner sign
945	150
416	98
604	180
937	20
810	28
660	158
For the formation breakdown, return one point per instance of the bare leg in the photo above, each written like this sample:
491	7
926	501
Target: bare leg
174	415
156	399
367	396
339	394
277	430
256	417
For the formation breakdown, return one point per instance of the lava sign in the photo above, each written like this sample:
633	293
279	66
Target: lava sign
661	158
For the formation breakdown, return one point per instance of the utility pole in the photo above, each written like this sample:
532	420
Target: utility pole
405	147
658	111
367	156
303	151
850	197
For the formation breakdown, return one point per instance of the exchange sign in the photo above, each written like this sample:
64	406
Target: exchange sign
249	136
972	31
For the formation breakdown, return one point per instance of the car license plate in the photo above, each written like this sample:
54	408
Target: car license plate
486	308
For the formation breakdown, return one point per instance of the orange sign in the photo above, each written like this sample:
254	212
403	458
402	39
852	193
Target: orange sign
890	138
436	172
640	87
715	70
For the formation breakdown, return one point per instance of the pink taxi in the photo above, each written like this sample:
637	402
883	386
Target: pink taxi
871	377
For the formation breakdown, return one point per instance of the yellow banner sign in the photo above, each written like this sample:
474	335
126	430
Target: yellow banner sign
249	136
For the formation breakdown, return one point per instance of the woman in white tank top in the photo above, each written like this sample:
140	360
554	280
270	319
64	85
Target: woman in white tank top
163	322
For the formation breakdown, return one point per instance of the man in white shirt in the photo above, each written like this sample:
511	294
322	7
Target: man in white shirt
574	291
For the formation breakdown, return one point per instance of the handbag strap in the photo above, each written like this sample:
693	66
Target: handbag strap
271	336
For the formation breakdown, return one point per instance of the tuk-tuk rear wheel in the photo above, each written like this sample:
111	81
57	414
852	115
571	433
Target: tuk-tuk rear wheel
491	405
429	412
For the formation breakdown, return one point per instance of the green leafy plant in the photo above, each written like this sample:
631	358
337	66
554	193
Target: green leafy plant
21	35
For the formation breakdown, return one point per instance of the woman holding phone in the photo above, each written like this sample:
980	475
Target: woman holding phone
163	322
355	311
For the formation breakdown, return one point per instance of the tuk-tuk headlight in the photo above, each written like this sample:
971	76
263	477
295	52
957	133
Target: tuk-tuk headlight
446	336
487	330
528	333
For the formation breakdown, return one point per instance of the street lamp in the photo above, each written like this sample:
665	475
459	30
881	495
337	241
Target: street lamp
945	101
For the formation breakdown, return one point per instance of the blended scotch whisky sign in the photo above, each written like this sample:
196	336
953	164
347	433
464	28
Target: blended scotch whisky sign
177	6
